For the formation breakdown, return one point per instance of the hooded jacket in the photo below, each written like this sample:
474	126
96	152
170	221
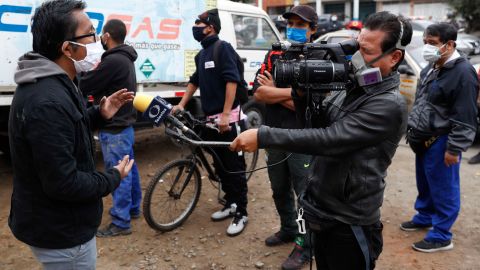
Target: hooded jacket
445	103
352	149
116	71
57	194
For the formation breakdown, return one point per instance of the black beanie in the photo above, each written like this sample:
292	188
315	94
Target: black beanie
210	17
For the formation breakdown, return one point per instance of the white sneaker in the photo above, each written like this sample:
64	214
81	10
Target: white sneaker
225	213
238	224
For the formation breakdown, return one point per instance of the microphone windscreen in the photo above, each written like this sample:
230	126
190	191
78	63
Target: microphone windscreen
142	101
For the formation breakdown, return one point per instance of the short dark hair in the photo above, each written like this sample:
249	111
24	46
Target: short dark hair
445	31
390	24
117	30
52	24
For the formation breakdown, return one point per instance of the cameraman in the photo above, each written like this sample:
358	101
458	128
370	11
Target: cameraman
353	147
288	178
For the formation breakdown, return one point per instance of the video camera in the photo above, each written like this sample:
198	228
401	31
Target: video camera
318	67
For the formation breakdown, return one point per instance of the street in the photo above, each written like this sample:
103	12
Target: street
202	244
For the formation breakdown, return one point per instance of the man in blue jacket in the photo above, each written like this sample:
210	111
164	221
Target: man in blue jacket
218	85
57	195
441	126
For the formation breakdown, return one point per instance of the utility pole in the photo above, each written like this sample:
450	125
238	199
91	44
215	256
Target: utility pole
356	10
319	7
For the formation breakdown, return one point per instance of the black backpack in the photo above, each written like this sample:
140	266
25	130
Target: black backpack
242	88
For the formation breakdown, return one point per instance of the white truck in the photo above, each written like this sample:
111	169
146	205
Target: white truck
160	31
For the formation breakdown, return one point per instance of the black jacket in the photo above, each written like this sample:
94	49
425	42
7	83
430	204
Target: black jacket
115	71
210	79
445	103
351	152
57	193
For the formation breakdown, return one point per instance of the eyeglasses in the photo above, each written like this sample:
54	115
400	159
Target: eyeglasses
94	35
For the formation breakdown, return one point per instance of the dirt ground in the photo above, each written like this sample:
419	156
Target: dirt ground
202	244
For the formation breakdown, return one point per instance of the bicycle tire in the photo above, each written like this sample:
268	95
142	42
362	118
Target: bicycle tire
156	181
252	165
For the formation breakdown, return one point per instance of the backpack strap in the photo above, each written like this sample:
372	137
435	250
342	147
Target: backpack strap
216	51
363	243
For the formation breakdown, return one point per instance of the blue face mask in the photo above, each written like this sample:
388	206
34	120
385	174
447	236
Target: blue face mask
297	34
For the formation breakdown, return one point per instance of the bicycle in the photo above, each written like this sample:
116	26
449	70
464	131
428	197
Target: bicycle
175	189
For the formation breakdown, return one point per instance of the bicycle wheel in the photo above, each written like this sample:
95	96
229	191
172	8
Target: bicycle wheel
172	195
251	160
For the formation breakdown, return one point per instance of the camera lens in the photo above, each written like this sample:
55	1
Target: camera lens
283	72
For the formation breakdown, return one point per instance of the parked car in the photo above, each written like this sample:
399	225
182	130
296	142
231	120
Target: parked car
328	23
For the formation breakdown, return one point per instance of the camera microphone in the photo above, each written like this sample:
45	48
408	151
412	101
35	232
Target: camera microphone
157	110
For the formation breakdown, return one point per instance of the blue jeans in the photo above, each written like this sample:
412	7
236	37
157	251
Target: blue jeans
127	197
438	201
81	257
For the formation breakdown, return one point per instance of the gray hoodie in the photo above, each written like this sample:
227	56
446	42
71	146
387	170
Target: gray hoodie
33	66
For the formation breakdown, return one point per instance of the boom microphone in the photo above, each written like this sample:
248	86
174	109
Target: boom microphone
157	110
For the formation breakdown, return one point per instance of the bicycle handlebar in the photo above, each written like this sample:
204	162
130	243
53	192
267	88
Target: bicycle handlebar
171	132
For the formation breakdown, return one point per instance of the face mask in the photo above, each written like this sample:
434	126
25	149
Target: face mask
94	55
297	34
364	73
431	53
198	34
104	45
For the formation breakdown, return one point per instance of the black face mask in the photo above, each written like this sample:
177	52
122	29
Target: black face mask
198	34
104	45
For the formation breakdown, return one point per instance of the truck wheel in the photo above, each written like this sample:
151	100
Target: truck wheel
255	112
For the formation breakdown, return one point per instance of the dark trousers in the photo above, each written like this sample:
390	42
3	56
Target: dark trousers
338	249
234	185
288	180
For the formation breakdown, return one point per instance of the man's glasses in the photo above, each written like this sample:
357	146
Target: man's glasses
94	35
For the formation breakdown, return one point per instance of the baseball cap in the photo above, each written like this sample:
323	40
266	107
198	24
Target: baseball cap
307	13
210	17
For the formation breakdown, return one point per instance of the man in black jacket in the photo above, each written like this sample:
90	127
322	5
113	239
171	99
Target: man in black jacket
441	126
352	149
57	195
117	71
218	85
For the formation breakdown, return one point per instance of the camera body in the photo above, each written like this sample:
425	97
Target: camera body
318	67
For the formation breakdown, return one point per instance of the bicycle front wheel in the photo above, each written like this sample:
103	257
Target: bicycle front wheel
172	195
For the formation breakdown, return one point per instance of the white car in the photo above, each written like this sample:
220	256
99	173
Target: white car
409	69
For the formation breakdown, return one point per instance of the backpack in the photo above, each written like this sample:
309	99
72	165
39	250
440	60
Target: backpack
242	89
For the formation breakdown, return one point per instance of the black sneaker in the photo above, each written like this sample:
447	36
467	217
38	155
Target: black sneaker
475	159
296	260
425	246
135	215
409	226
113	230
279	238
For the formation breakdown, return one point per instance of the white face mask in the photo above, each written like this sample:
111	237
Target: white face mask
431	53
94	55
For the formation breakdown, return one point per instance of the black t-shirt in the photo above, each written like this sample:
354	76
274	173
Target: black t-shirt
276	115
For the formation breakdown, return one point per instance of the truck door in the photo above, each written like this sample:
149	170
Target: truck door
254	35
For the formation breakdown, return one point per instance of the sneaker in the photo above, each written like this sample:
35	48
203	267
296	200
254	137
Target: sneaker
113	230
409	226
279	238
135	215
425	246
226	212
296	260
237	225
475	159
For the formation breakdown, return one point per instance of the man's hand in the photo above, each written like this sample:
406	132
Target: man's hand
177	108
124	166
247	141
451	159
109	106
224	122
266	79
